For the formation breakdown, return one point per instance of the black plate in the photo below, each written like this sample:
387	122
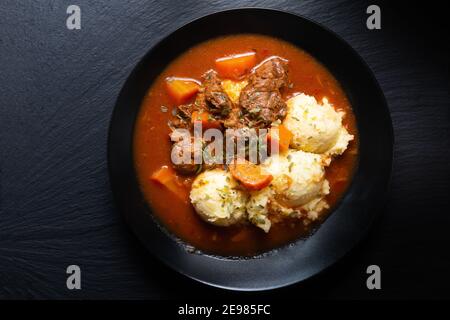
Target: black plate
345	226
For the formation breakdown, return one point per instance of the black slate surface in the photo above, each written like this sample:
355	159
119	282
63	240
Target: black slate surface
57	92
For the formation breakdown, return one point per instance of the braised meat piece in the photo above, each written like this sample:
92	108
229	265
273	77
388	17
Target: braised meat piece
183	114
261	108
271	75
212	95
184	151
234	119
261	100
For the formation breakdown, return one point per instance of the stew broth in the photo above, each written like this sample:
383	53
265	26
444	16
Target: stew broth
152	146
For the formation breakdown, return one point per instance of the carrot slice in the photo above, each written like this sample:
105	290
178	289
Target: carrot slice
250	175
181	89
279	137
166	177
236	65
205	119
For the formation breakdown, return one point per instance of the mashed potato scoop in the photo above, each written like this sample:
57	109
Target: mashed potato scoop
316	127
217	199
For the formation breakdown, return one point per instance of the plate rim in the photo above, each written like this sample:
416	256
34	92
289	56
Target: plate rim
174	267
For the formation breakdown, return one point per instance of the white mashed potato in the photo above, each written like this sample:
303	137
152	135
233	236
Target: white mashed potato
216	199
316	127
298	188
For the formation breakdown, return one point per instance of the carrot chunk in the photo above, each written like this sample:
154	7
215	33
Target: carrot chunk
280	136
181	89
250	175
236	65
205	119
167	178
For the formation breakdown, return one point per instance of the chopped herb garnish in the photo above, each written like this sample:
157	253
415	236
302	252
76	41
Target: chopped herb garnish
290	166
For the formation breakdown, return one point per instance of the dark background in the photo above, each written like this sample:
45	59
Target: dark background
57	92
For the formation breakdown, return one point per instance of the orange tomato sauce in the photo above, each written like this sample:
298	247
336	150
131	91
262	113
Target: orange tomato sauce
152	146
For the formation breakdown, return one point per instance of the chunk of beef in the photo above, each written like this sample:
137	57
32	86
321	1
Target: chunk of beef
270	75
261	108
183	114
234	119
261	100
186	150
213	96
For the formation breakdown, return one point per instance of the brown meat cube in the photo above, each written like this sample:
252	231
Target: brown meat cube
261	100
216	100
